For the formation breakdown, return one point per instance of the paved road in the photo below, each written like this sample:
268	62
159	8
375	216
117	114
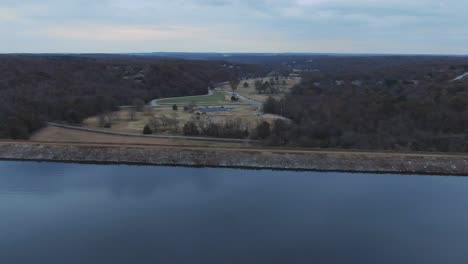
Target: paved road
460	77
254	102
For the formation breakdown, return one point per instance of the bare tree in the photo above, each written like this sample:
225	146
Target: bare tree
174	122
191	107
148	110
190	129
164	121
112	116
234	84
139	104
131	113
101	120
154	123
105	119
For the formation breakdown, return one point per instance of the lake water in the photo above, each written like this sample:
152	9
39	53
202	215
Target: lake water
70	213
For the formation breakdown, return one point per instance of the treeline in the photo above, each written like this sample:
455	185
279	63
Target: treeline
231	128
426	115
35	89
345	66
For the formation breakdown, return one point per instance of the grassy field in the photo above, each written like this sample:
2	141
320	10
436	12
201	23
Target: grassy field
245	109
214	98
252	93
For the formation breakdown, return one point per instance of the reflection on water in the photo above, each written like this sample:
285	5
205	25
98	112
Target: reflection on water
69	213
49	178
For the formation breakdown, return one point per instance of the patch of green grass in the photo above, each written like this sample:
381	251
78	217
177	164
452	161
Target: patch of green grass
216	97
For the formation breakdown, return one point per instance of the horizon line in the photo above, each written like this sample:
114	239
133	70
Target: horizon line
155	53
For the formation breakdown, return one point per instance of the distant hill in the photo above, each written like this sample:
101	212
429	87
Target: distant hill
332	63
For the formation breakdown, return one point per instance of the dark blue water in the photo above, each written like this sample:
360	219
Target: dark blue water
67	213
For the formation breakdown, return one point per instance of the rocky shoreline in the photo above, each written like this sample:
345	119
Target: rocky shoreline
241	158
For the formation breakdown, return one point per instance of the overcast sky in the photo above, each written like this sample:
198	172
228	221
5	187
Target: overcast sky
343	26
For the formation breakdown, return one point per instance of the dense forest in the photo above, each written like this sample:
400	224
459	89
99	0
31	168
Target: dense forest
403	107
36	89
335	65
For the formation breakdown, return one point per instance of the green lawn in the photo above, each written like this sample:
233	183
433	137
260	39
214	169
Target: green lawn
216	97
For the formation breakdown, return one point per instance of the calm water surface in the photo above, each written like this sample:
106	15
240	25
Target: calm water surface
69	213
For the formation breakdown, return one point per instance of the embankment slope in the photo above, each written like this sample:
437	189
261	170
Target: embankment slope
436	164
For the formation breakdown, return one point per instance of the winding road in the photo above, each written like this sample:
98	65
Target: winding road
254	102
460	77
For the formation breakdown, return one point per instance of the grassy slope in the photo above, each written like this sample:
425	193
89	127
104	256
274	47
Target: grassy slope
216	97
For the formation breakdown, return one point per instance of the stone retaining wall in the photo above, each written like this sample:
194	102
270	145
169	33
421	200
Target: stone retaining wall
256	159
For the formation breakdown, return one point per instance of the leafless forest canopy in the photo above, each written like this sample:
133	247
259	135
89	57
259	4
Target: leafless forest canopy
391	103
35	89
360	102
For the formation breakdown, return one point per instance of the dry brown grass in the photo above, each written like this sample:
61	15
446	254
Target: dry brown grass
248	114
252	93
57	134
122	123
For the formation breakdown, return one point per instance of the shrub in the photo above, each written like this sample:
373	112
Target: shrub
147	130
190	129
263	130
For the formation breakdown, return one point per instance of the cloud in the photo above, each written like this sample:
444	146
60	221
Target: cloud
9	15
103	32
235	25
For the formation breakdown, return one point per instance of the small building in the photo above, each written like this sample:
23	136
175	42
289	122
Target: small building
357	83
339	83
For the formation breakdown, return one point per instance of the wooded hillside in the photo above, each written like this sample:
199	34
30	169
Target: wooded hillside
35	89
402	108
